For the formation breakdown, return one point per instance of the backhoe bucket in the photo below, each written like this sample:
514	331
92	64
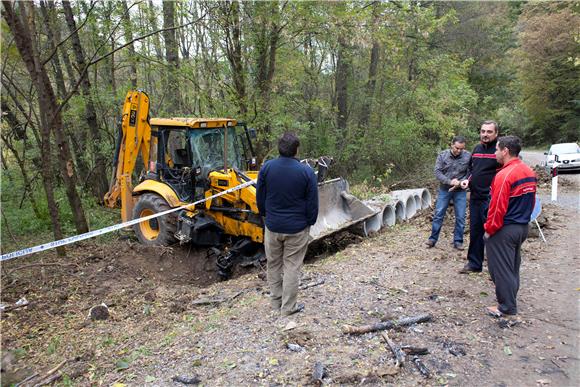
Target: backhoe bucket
339	210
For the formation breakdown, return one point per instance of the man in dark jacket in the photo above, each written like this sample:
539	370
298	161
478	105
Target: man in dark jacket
451	167
483	169
513	195
287	195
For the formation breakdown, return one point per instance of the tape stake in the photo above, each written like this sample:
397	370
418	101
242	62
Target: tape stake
106	230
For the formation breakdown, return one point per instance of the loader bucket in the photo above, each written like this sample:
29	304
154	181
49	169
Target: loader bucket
338	209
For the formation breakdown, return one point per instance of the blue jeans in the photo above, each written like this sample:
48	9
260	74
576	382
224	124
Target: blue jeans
459	204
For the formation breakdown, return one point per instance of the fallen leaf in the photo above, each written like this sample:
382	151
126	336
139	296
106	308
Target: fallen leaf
273	361
122	364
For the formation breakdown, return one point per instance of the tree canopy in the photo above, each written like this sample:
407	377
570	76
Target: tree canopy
380	86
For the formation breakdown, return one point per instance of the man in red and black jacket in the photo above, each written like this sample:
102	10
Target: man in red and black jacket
483	167
513	195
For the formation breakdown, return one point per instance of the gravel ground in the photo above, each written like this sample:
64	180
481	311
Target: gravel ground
171	318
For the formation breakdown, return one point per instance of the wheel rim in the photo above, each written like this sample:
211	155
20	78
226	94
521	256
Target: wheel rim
149	228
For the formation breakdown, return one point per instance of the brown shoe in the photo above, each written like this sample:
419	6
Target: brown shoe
430	243
458	246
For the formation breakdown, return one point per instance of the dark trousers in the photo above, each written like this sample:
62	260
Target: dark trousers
504	259
477	217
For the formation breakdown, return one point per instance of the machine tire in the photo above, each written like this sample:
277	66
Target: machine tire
159	231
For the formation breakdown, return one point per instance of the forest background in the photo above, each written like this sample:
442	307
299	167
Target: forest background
380	86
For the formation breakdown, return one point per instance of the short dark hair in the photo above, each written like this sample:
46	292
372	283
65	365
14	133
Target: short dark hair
512	143
459	139
288	145
491	122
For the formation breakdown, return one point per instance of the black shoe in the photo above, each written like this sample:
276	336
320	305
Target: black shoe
430	243
297	309
468	269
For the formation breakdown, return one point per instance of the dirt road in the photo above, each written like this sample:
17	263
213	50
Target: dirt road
169	320
568	187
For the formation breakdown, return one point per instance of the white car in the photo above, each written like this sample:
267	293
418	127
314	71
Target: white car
567	155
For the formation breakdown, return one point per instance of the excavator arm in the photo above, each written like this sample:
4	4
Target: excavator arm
134	140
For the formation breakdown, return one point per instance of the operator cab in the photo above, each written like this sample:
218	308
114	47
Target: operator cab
184	151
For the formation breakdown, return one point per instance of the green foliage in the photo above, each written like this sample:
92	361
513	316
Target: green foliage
27	228
440	68
548	70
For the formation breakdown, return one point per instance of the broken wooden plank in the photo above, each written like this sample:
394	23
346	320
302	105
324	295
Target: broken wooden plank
312	284
381	326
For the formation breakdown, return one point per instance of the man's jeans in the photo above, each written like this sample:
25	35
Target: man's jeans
459	197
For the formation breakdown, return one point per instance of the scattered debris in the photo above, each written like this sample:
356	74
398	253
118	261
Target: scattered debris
291	325
186	379
294	347
508	322
410	350
403	322
99	312
421	367
453	348
319	373
397	351
216	301
312	284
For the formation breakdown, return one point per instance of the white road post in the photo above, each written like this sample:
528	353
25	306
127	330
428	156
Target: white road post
555	179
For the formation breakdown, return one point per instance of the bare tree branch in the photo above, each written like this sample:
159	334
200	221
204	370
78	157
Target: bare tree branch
93	3
94	61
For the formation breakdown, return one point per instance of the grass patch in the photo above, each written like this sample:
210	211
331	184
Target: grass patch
24	225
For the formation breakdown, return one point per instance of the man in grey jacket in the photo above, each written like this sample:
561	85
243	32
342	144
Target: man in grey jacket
451	168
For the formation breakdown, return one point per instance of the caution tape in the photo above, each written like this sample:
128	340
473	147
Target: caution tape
92	234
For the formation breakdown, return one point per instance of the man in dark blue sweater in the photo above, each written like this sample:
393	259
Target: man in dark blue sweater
483	167
287	195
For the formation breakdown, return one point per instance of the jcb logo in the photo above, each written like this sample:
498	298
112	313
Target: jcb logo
132	117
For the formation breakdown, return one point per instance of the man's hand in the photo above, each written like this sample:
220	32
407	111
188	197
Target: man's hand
455	182
486	236
464	184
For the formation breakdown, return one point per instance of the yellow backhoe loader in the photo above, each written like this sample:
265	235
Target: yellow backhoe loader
183	160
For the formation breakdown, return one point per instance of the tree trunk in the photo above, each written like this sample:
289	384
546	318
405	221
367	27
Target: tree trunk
59	77
368	101
266	42
172	57
153	23
23	40
50	115
233	46
342	68
98	178
128	30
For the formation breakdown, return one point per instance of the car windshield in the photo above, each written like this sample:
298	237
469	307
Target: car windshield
207	149
564	148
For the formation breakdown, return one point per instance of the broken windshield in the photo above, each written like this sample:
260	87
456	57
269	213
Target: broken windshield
207	149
